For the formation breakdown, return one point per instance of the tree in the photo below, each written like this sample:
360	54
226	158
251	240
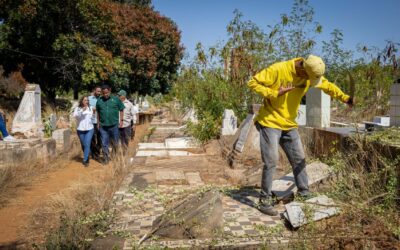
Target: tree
295	35
80	43
138	3
150	43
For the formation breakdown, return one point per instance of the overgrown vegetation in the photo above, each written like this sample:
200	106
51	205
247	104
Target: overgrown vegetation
366	189
216	78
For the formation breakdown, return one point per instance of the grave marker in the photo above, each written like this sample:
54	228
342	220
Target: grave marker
28	118
229	123
244	132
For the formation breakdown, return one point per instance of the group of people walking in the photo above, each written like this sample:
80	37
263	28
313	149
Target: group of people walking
103	120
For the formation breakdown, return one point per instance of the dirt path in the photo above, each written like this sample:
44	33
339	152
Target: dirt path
16	214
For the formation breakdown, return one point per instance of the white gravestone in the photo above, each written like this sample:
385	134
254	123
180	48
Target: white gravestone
53	121
318	108
383	121
190	115
301	115
395	105
28	118
145	105
244	132
229	123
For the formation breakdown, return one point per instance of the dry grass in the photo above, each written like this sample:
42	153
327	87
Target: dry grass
73	217
63	219
22	173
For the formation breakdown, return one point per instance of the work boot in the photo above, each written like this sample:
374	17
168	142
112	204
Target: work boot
305	195
266	207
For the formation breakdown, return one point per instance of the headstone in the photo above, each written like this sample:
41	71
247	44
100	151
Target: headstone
318	108
229	123
53	121
28	119
394	111
145	105
63	139
244	132
301	118
383	121
190	115
180	142
314	209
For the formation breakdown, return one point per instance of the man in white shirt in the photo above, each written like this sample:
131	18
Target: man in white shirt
95	147
130	113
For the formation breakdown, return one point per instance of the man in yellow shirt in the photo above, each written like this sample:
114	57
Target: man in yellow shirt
282	85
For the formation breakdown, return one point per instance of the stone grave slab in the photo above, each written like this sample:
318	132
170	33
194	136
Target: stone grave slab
141	181
157	153
164	153
152	145
318	208
244	132
194	179
170	177
285	186
180	142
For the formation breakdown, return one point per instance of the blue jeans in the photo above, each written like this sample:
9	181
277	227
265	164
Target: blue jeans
86	138
109	134
3	128
270	139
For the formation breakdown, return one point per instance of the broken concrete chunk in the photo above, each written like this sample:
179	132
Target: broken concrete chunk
196	218
285	186
315	209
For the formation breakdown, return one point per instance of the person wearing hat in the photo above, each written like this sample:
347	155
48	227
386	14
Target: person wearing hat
282	85
130	112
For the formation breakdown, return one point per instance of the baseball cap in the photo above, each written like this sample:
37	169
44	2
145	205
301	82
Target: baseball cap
315	69
122	93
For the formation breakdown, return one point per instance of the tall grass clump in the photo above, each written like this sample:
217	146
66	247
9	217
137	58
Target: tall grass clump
80	213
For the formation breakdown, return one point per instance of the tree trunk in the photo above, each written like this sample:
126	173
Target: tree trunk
76	91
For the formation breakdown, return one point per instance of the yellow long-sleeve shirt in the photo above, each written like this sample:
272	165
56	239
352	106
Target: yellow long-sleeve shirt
280	112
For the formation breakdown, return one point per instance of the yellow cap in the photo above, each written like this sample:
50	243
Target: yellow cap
315	69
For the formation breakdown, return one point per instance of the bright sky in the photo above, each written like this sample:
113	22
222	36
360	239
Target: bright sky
367	22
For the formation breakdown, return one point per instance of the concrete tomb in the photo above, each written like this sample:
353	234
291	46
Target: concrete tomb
318	108
28	120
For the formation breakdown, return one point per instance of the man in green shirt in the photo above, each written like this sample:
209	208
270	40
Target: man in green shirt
110	113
